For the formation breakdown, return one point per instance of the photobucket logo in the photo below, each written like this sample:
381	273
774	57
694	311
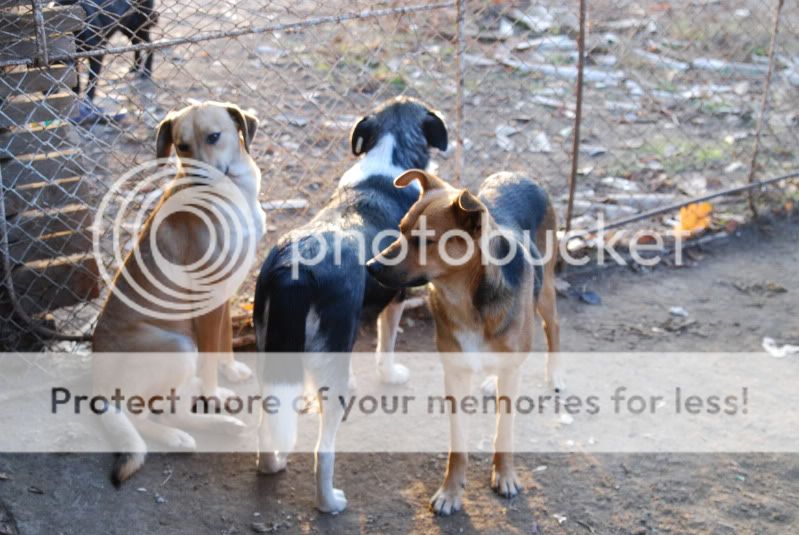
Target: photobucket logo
496	245
167	274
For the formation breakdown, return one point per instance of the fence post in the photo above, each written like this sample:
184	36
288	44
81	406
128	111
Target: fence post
578	112
42	56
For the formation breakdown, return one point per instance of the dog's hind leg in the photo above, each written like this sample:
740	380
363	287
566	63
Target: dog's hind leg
184	417
387	326
95	66
547	308
547	303
143	59
147	67
171	437
332	375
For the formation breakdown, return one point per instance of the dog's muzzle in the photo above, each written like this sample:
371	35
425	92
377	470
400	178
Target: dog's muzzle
390	277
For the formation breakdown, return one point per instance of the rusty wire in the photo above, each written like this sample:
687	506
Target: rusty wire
252	30
483	96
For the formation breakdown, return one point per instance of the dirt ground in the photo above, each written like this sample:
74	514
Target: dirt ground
609	493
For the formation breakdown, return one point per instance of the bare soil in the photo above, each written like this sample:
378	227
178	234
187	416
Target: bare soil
611	493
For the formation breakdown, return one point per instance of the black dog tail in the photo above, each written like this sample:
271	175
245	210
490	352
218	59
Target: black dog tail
281	312
283	298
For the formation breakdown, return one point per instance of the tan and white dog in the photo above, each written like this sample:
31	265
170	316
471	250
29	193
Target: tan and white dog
136	317
486	284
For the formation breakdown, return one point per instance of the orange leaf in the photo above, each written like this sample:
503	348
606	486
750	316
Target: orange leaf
694	217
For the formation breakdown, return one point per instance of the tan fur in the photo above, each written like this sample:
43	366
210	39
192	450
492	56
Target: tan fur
504	327
182	238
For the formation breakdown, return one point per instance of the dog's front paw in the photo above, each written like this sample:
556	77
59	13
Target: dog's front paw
556	382
180	440
489	386
271	462
505	483
213	401
222	393
396	374
236	371
447	500
230	425
332	503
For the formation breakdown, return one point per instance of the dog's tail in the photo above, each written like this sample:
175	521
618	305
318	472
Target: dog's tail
281	311
127	439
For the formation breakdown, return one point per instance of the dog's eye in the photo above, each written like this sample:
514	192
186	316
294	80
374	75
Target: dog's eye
424	241
184	147
213	138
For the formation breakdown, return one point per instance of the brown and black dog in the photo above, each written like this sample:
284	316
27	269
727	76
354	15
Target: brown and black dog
489	261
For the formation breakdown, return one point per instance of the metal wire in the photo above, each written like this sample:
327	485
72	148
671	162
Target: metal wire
252	30
7	283
676	206
652	99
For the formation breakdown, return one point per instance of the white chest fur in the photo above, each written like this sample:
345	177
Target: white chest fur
378	161
247	177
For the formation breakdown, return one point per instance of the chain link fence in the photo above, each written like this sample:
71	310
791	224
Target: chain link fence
672	95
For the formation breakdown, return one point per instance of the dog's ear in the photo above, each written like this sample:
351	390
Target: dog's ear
362	137
426	180
435	130
245	122
163	138
469	211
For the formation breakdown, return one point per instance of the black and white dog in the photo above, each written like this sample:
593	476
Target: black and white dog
313	288
104	18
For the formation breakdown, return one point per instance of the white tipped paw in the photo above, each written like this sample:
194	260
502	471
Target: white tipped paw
180	440
230	425
236	371
489	386
213	401
223	393
395	375
506	484
332	503
447	501
556	382
271	463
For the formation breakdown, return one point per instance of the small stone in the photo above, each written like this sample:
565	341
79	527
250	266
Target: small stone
260	527
741	88
679	312
159	499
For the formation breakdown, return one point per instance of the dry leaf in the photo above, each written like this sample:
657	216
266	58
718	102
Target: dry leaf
694	217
